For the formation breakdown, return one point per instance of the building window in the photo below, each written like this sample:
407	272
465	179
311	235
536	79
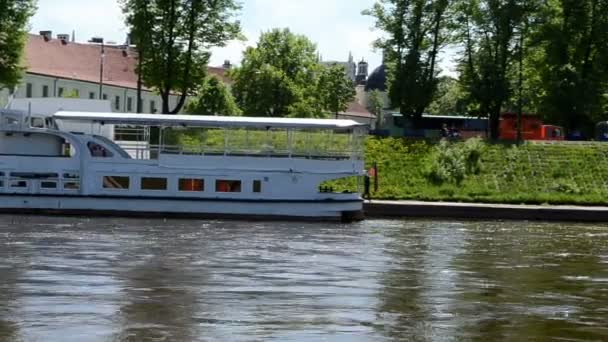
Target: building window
257	186
91	95
117	102
60	92
76	93
190	184
153	183
105	96
45	91
152	107
222	185
129	104
28	90
116	182
48	185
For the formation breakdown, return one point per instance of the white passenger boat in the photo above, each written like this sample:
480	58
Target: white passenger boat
229	166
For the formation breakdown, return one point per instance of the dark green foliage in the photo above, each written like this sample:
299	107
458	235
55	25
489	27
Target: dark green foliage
415	32
572	68
14	16
489	33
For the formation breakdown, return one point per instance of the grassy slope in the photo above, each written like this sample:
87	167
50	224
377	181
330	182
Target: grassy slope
558	173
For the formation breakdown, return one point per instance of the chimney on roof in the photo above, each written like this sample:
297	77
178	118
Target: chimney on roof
227	65
64	38
48	35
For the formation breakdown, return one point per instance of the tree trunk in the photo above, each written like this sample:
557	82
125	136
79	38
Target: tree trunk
495	124
165	95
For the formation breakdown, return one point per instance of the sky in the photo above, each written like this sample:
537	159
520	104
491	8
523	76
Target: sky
336	26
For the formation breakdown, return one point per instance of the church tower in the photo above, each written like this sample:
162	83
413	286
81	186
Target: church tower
362	72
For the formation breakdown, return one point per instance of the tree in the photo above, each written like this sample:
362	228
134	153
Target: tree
449	98
416	31
14	16
175	36
573	68
278	77
214	99
488	33
335	89
375	105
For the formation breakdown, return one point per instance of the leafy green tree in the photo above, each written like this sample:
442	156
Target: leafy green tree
488	32
14	16
214	99
335	89
375	105
278	76
449	98
175	37
573	68
416	31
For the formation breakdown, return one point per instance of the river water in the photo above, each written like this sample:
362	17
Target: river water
74	279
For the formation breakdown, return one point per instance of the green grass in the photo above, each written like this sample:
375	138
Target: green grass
534	173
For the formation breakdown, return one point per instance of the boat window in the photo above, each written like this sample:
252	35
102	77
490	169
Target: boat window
148	183
116	182
191	184
1	180
257	186
222	185
71	186
37	122
71	176
30	175
98	151
18	184
48	185
9	120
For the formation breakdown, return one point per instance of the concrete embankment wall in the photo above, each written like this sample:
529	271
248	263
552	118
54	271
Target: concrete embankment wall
440	210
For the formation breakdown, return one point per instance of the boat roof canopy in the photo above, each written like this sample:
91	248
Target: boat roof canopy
206	121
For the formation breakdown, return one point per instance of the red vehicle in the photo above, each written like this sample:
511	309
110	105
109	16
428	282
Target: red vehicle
532	128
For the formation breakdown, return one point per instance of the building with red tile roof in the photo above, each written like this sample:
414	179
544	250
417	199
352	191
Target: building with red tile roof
56	67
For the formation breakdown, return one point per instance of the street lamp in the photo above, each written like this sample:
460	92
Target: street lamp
101	61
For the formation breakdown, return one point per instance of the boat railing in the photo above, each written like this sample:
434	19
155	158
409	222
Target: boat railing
139	150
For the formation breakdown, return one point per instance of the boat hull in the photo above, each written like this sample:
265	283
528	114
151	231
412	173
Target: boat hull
317	210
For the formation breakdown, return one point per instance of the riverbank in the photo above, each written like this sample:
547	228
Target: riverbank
477	211
535	173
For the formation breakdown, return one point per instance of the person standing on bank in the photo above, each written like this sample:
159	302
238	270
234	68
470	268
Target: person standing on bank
366	187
